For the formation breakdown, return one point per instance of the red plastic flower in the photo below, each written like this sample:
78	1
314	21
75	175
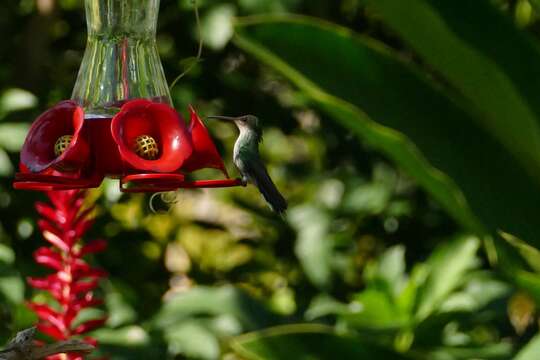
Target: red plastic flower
159	121
37	154
205	154
147	145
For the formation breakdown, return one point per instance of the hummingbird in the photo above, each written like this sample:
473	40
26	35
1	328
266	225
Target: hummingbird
249	163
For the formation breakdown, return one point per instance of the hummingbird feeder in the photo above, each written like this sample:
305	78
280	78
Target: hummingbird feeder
120	122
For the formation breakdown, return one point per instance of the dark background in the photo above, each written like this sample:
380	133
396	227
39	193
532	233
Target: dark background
356	202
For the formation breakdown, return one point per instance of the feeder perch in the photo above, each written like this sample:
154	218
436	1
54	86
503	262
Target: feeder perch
120	122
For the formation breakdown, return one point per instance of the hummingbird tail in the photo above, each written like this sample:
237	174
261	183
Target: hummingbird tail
272	195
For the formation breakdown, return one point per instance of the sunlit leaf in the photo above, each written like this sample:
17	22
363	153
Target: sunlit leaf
12	286
120	312
323	305
389	269
16	99
314	244
479	290
369	198
131	342
375	310
446	266
529	253
125	336
192	339
12	136
6	168
531	351
7	255
217	28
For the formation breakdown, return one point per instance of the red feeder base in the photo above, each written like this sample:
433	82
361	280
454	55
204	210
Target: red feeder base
106	147
169	182
138	183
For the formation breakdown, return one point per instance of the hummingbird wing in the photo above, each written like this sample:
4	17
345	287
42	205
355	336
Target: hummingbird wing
253	167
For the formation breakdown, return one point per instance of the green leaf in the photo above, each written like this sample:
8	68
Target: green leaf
12	136
479	290
16	99
535	4
125	336
488	60
7	255
23	317
305	342
390	270
131	342
370	198
373	309
528	281
6	168
217	27
407	299
324	305
530	254
314	243
447	267
120	311
530	351
225	300
358	81
12	286
192	339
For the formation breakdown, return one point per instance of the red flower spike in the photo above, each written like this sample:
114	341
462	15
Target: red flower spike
51	331
47	257
47	225
50	214
161	122
89	326
205	154
72	284
84	286
39	283
44	312
38	155
55	240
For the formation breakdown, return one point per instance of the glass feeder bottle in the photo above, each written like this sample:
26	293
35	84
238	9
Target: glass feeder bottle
121	60
120	122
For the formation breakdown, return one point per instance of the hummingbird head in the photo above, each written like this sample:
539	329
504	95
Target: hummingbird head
248	123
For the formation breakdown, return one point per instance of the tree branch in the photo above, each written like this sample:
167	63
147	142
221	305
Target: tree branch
23	347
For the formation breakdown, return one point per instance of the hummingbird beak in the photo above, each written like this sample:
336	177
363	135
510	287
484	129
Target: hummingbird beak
225	118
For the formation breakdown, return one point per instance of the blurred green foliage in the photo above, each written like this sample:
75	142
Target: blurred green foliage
406	145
